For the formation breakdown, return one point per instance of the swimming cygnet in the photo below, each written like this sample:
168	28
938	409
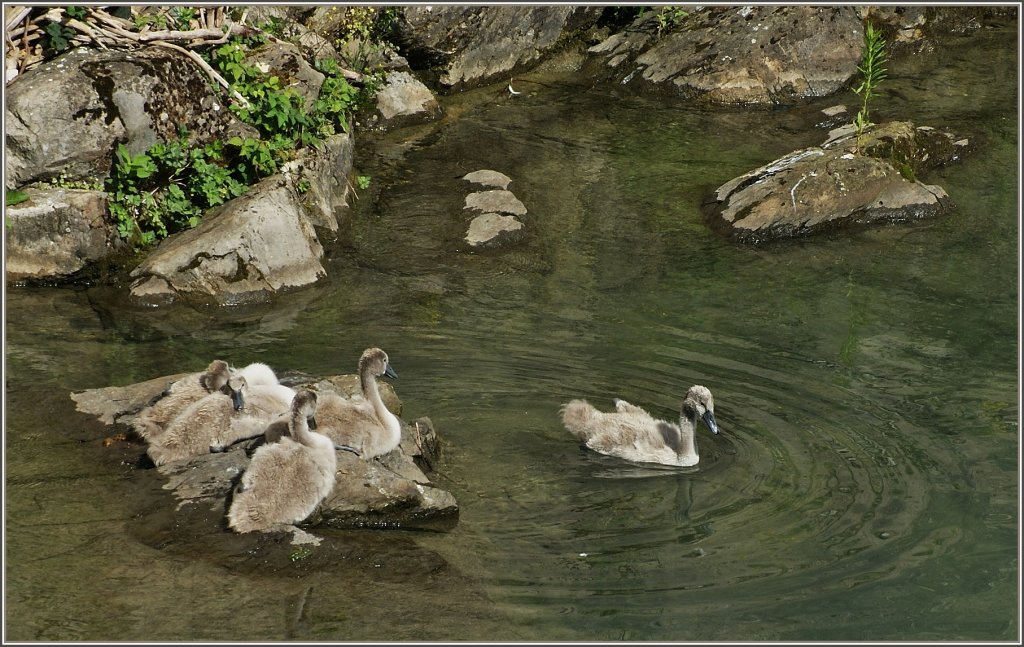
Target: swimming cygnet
362	423
152	421
633	434
286	480
201	424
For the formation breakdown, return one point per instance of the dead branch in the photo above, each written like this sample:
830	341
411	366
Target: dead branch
211	35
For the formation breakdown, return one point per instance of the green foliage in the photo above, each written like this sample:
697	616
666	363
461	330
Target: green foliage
872	74
143	20
57	36
15	197
669	17
168	187
300	552
280	113
363	182
183	17
75	12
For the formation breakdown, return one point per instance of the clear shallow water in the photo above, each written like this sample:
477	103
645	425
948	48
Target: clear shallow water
864	485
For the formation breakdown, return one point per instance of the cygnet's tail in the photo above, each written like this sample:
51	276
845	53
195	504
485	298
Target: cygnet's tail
579	417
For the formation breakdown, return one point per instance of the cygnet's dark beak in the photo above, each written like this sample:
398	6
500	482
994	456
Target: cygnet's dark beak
311	421
390	372
346	448
236	399
709	420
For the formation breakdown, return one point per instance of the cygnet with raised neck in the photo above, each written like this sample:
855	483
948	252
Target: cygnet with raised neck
633	434
364	422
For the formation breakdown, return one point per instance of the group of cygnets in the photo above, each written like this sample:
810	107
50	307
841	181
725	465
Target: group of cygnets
293	471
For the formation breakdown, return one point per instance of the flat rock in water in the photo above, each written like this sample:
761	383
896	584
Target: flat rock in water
488	177
842	182
493	230
390	491
497	200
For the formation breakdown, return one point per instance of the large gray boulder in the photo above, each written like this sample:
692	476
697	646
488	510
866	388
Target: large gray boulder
57	233
99	98
738	55
257	245
473	45
843	182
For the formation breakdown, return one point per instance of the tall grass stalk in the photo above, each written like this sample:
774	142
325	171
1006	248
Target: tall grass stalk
872	74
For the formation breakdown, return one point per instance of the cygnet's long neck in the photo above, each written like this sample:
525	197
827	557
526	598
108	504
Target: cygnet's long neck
687	435
371	391
299	429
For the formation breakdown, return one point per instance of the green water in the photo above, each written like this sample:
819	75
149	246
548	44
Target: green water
864	485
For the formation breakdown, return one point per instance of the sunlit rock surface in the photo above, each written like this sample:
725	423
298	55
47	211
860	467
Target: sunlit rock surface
738	55
101	98
257	245
472	45
57	233
497	223
840	183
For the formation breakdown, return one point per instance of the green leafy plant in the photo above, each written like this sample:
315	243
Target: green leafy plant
168	187
58	36
143	20
669	17
183	17
15	197
363	182
300	552
872	74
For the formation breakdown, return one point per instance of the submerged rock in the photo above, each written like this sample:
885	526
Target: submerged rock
499	200
498	224
842	182
494	230
390	491
487	177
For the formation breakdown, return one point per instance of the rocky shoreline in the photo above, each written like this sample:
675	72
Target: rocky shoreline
272	238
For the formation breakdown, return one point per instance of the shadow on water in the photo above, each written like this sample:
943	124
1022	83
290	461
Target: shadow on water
863	486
